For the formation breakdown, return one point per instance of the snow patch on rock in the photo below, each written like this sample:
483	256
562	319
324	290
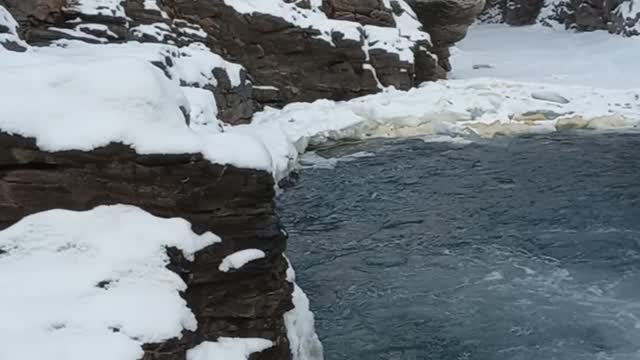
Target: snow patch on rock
240	258
102	283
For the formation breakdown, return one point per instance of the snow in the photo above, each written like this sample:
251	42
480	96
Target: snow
544	55
399	39
239	259
97	27
7	20
73	282
300	324
629	11
157	31
129	101
228	349
77	33
98	7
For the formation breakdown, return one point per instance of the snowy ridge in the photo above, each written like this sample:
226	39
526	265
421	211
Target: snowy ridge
446	107
74	282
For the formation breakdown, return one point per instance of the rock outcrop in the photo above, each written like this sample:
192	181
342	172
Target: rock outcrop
447	22
316	58
616	16
237	204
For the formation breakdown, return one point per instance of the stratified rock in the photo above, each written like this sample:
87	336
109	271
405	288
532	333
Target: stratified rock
236	204
366	12
447	22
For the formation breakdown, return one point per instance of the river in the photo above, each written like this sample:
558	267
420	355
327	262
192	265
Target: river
521	248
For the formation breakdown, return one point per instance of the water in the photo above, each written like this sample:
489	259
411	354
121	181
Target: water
517	248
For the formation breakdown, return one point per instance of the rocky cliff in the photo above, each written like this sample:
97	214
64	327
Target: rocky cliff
237	204
616	16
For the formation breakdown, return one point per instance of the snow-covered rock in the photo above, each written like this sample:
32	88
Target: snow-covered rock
74	282
240	258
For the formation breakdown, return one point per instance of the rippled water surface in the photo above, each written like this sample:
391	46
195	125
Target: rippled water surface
517	248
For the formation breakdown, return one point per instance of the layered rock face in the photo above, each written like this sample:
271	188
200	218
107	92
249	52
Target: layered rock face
447	22
237	204
616	16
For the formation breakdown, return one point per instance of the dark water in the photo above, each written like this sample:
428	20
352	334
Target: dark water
518	248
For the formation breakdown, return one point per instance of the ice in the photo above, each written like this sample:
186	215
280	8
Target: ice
300	323
74	282
239	259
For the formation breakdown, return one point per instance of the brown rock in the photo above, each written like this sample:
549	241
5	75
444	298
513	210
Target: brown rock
237	204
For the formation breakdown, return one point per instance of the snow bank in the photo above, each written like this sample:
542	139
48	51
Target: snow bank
113	93
228	349
87	105
240	258
446	107
74	282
